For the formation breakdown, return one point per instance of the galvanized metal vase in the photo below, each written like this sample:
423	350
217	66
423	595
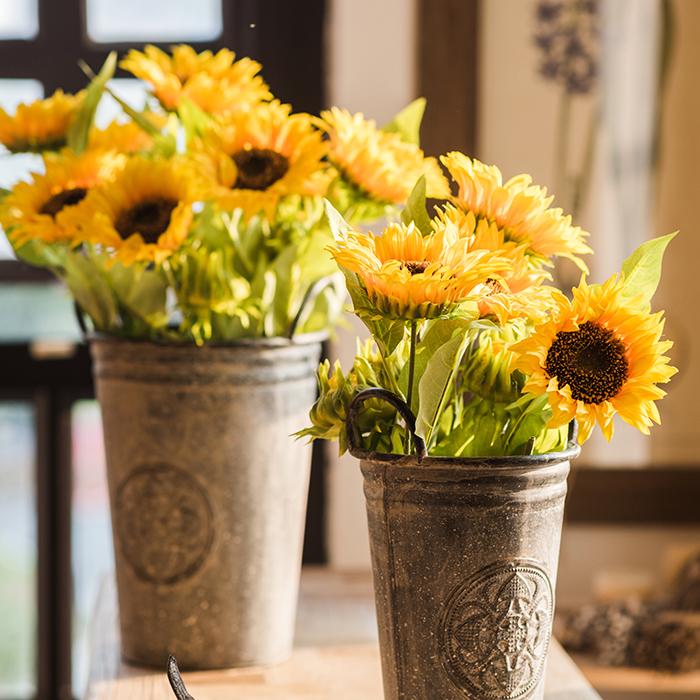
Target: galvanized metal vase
208	495
464	557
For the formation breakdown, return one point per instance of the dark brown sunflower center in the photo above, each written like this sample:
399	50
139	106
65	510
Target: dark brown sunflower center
258	168
65	198
416	267
493	287
591	361
150	218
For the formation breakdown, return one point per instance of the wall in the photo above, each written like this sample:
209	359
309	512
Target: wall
678	189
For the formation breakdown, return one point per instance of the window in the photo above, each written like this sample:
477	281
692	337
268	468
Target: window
19	20
158	20
52	493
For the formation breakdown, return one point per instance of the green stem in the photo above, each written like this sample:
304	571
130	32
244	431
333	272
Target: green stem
411	372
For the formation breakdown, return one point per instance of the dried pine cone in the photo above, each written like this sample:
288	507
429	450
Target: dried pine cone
574	628
666	644
687	593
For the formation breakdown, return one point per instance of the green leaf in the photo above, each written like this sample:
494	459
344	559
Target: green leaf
529	416
212	228
325	309
642	270
416	210
314	262
388	333
477	433
165	144
141	291
339	227
194	120
141	121
80	128
41	254
438	332
436	384
356	205
551	440
407	122
91	291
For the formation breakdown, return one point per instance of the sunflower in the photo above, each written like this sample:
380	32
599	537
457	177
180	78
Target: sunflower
40	209
598	355
407	275
520	210
41	125
216	83
519	292
144	214
256	157
378	163
125	138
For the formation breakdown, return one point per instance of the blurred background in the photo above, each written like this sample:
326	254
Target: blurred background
600	106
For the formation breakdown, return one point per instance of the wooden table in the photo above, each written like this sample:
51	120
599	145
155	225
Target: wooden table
336	656
620	683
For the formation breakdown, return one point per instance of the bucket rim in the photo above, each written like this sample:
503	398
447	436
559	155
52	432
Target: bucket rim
504	462
251	343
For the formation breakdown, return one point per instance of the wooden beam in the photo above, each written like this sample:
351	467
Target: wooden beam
448	33
664	495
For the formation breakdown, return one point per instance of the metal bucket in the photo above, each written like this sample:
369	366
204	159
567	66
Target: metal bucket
464	557
208	496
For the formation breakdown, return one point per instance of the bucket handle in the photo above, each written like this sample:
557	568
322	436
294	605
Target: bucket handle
80	317
175	680
353	433
312	293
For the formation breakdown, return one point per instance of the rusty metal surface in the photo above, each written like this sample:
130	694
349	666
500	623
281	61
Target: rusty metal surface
208	495
464	556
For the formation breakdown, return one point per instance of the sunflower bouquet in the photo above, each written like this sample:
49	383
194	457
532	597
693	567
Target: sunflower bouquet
465	330
200	218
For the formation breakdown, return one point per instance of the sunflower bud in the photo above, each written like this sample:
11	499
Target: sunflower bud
486	368
336	391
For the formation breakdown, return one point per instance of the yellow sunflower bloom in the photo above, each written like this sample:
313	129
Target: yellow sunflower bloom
215	82
599	355
379	163
41	125
519	209
40	209
519	292
125	138
256	157
144	214
407	275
